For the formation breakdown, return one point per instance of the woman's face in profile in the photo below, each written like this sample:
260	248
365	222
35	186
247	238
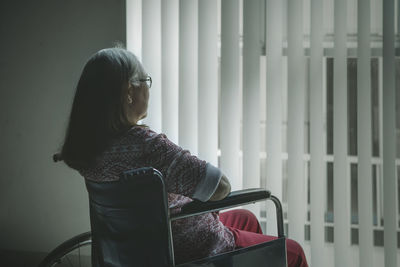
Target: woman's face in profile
140	99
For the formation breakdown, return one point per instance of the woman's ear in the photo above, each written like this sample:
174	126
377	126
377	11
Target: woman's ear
130	94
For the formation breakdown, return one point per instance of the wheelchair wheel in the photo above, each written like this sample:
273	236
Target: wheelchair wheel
73	252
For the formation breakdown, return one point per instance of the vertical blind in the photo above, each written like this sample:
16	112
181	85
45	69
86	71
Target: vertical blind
188	75
170	68
251	96
389	139
208	81
295	128
364	137
341	194
151	57
229	130
299	97
274	102
317	151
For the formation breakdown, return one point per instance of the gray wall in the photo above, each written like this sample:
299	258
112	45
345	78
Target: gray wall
43	47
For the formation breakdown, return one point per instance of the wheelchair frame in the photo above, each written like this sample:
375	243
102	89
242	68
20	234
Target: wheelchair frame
234	199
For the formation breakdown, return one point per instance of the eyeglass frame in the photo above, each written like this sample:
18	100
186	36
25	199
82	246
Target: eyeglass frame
147	80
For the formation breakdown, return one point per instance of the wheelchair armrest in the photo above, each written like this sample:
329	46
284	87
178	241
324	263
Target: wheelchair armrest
234	199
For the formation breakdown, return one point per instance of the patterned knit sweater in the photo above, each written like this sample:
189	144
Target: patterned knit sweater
185	177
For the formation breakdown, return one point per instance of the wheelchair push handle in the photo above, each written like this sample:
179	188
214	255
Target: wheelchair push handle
234	199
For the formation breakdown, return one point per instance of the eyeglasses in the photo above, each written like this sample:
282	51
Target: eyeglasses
147	80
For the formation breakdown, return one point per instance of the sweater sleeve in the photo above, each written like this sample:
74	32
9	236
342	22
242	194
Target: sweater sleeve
183	173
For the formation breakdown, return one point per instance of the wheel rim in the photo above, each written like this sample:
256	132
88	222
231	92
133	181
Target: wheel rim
79	256
75	252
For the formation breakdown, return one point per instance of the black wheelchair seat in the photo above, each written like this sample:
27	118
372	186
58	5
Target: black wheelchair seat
131	224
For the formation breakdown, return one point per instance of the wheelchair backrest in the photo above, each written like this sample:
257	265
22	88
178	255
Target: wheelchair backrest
129	220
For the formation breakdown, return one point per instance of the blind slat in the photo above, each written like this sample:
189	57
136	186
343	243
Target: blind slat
170	68
251	96
389	137
208	81
134	27
274	29
317	151
251	92
341	181
230	105
151	58
295	129
364	134
188	75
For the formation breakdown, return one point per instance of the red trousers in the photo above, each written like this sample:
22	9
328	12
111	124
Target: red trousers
247	232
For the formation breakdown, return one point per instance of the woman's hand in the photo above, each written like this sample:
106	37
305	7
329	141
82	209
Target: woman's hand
223	189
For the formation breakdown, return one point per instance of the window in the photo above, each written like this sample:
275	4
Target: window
352	148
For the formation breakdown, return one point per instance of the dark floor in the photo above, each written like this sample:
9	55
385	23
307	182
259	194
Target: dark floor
32	259
20	258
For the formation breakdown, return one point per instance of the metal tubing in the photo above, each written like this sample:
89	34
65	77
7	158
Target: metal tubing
279	216
278	206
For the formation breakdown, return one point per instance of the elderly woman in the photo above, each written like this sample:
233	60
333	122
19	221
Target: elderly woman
104	139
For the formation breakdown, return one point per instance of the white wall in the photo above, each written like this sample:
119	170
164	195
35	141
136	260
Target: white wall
44	45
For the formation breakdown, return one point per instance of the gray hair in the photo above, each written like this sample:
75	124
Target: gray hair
97	114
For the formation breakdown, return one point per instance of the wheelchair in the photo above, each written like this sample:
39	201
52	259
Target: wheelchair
129	230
